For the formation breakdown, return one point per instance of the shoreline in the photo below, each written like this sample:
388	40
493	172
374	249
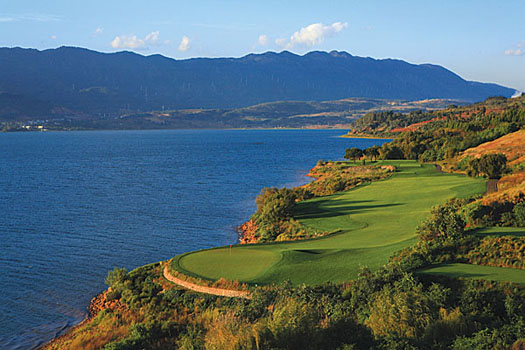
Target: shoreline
245	233
370	137
321	127
95	306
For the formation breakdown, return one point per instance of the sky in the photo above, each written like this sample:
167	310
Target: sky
479	40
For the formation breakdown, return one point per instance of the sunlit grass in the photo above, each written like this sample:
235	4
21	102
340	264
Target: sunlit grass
374	221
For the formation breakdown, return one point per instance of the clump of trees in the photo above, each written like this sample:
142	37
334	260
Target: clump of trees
372	153
506	212
492	165
353	153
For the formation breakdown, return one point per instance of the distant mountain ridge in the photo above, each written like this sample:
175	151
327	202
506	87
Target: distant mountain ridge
70	80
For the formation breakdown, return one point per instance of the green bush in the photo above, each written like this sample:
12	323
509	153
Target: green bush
445	224
116	277
519	214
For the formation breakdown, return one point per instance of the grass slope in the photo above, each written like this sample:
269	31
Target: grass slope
477	272
501	231
374	221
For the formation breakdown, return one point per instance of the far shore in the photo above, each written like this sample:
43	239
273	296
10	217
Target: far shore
348	136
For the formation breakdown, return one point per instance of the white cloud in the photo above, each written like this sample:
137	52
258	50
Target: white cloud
31	17
184	44
514	52
281	42
54	37
98	31
518	51
263	40
132	42
311	35
152	37
127	42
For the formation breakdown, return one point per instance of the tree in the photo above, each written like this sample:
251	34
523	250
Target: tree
494	165
444	224
473	168
372	152
403	310
116	277
353	153
519	214
389	151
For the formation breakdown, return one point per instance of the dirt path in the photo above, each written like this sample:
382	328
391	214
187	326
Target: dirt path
492	186
204	289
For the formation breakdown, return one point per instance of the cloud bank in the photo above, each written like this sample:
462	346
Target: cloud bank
133	42
311	35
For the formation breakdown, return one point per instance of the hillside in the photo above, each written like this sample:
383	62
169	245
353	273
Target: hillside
71	81
437	274
512	145
280	114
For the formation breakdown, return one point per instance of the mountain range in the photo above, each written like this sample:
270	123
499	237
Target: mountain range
70	81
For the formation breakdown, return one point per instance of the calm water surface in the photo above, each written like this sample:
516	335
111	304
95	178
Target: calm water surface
73	205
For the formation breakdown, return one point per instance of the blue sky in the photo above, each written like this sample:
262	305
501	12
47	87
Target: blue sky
479	40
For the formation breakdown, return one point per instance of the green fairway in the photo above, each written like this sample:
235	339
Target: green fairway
477	272
501	231
374	221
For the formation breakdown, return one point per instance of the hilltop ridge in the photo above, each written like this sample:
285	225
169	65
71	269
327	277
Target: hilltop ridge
77	80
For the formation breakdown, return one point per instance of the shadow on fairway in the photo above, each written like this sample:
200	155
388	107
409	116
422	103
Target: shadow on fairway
501	231
328	208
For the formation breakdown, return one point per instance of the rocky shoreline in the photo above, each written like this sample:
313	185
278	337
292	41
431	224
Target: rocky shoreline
97	304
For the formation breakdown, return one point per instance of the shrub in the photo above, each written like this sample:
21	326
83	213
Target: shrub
445	224
293	323
116	277
519	214
400	311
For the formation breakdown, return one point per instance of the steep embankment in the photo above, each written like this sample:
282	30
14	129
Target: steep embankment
511	145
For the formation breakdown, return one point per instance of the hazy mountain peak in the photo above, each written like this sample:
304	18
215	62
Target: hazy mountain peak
92	82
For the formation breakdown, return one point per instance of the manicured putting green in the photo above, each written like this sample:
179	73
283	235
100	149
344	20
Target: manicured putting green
477	272
374	221
248	263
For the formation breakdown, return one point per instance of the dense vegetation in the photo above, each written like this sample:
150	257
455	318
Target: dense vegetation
439	135
276	208
459	284
392	308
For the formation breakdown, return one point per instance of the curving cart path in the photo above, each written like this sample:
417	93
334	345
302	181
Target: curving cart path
203	289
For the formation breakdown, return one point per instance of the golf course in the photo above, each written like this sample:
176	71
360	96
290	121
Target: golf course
372	221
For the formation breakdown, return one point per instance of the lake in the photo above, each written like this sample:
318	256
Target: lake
74	205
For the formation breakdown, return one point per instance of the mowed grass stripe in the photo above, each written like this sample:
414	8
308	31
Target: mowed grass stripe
374	221
501	231
472	271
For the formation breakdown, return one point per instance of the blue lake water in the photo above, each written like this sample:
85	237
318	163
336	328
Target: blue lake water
73	205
